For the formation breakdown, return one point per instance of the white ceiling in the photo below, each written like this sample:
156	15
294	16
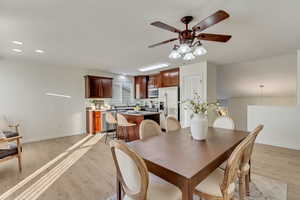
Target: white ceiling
114	35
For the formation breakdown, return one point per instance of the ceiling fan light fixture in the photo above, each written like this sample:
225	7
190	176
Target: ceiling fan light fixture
174	54
200	51
189	56
184	48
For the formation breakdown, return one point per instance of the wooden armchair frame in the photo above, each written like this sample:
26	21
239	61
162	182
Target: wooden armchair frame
19	151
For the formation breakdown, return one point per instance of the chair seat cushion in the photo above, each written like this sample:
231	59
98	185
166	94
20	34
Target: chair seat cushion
211	185
8	152
159	189
10	134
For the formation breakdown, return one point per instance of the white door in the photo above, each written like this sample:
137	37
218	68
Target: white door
190	85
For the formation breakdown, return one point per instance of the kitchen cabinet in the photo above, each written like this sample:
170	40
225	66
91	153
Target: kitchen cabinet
98	87
93	122
169	78
133	132
154	81
141	87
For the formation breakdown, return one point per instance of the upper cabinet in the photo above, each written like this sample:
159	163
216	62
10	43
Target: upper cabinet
98	87
141	87
169	78
154	81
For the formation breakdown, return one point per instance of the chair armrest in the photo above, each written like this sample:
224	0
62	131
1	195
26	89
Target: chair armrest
14	126
10	139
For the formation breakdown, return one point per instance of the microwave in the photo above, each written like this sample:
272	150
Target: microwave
153	92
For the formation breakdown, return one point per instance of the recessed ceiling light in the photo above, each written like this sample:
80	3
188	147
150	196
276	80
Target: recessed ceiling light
154	67
17	42
17	50
39	51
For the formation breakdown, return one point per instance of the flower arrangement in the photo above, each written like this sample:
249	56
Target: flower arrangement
198	106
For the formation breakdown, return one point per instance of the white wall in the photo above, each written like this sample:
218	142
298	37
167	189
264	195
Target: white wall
237	107
298	77
200	77
193	78
281	125
23	99
278	74
211	91
211	82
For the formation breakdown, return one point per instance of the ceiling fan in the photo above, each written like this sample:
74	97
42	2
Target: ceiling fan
189	39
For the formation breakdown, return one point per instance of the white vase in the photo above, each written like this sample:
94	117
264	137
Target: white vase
199	127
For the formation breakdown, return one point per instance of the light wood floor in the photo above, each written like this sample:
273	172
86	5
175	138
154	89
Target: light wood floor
93	176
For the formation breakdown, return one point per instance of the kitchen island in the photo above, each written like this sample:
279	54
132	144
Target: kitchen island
136	117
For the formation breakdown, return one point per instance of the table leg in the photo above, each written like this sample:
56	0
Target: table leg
187	191
119	192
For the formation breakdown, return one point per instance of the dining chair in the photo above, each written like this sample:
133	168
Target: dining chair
110	119
227	123
224	122
220	185
172	124
133	174
149	128
246	162
124	125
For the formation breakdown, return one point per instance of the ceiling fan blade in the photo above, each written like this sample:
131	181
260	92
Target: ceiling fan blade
213	37
164	42
211	20
165	26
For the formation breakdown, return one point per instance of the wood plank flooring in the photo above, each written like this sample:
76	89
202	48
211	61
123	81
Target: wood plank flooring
92	177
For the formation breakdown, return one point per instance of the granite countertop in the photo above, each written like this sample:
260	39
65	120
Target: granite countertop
140	113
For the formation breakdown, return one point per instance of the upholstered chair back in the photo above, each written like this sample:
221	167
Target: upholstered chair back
131	170
172	124
149	128
110	118
224	122
234	163
121	119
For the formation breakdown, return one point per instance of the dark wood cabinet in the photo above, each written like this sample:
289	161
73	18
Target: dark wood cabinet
98	87
133	132
93	122
169	78
141	87
154	81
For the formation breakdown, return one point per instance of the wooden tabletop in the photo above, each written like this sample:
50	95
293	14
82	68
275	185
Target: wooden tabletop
185	162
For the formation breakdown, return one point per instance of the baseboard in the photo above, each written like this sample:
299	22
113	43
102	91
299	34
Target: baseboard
24	141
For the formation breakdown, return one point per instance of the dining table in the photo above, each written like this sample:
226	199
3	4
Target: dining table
179	159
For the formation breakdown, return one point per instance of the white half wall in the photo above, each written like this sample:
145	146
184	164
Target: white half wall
23	99
281	125
237	107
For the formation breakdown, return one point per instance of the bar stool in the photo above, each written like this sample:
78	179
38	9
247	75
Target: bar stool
110	119
124	125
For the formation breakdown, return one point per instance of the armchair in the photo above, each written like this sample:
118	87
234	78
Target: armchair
14	151
14	148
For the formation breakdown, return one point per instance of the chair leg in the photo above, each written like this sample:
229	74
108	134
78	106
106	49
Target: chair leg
20	163
249	173
126	134
106	138
247	185
242	187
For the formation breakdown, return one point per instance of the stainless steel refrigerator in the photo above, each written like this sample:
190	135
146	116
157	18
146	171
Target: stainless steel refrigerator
170	98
